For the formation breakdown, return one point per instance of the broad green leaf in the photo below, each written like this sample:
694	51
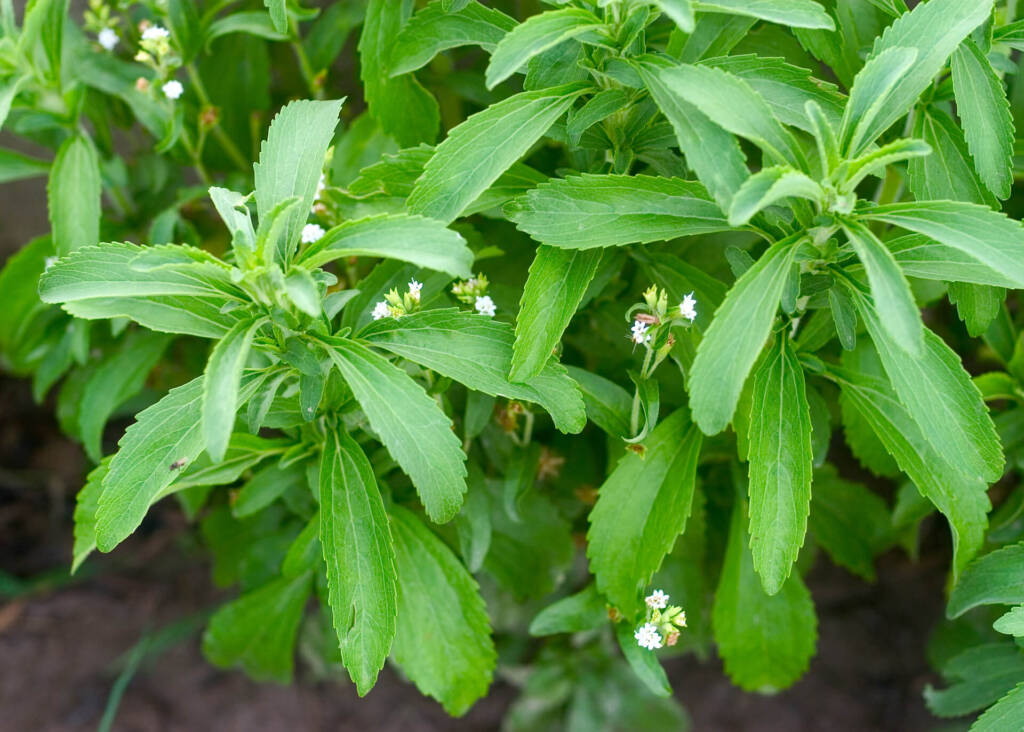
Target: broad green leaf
994	579
9	89
1011	623
977	305
435	29
22	306
291	161
644	663
535	35
86	504
948	173
221	382
608	404
765	641
737	334
983	234
235	215
924	258
73	196
869	97
732	103
118	378
794	13
961	499
934	29
278	14
599	107
244	451
985	113
202	317
781	461
769	186
584	610
978	677
875	162
589	211
411	425
555	286
360	556
111	271
680	11
414	239
713	153
1006	714
898	312
266	486
404	109
477	351
258	630
443	641
467	162
714	36
183	19
849	522
253	22
641	509
15	166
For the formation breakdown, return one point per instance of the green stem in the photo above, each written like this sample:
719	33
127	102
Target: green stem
222	137
304	66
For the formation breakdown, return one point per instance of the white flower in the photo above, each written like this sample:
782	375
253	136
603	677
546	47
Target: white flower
311	233
657	600
647	636
107	38
381	310
639	332
687	309
485	305
414	289
172	89
155	33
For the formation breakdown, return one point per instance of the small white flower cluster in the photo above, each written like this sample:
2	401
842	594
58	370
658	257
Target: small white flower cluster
311	233
395	306
485	305
173	89
108	38
661	624
474	292
155	33
638	333
654	312
688	307
381	310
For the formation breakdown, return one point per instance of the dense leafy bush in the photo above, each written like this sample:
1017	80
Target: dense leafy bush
439	396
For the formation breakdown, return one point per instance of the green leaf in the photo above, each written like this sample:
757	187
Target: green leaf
220	385
253	22
983	234
769	186
977	305
257	631
978	676
713	153
1007	713
599	107
877	80
183	18
9	89
73	196
198	316
940	396
849	522
934	29
409	423
234	213
737	334
589	211
15	166
985	113
961	499
924	258
680	11
535	35
781	462
794	13
948	173
291	161
404	109
1011	623
765	641
278	14
644	663
118	378
266	486
360	558
477	351
894	301
555	286
732	103
641	508
435	29
86	504
585	610
443	642
467	162
608	404
875	162
994	579
414	239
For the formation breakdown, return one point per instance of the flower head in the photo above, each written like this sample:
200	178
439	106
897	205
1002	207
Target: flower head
485	305
107	38
155	33
381	310
172	89
657	600
311	233
414	289
687	308
639	332
647	636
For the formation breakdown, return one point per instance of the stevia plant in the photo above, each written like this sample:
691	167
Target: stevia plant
401	386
